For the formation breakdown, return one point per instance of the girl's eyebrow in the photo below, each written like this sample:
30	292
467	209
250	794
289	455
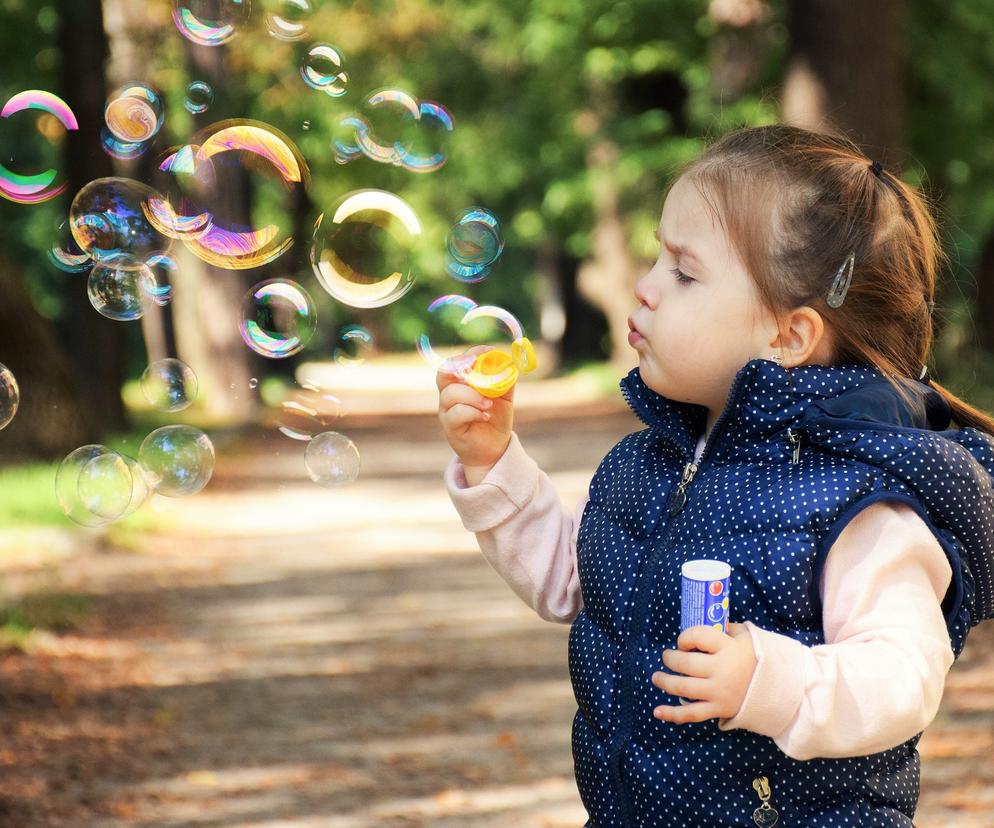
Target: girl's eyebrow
680	249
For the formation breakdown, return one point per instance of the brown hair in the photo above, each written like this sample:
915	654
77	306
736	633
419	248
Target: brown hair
795	205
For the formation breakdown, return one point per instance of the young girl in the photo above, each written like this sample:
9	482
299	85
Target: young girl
793	433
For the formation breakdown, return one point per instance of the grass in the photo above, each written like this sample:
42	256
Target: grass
53	612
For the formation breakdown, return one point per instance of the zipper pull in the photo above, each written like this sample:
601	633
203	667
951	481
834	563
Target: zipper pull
795	440
679	498
765	815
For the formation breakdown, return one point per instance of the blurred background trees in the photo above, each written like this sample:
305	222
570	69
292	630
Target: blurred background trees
569	116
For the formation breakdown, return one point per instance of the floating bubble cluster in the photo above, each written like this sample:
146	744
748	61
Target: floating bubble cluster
332	459
210	22
287	19
277	318
169	385
321	69
178	460
362	248
199	97
10	396
26	187
353	345
95	485
473	245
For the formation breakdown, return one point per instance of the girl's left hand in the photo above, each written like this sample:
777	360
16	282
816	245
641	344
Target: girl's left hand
717	678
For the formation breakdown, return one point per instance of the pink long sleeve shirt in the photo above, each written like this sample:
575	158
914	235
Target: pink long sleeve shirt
881	588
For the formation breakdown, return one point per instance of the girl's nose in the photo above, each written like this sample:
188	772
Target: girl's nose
643	292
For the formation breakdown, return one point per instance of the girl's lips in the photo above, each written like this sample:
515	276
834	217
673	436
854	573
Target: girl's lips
634	338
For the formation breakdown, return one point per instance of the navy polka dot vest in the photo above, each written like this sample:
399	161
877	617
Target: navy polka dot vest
794	456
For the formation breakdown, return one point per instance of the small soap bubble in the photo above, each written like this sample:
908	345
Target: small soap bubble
10	396
253	383
34	177
473	245
199	97
309	411
107	220
362	248
210	22
120	294
306	125
169	385
178	460
332	459
321	69
353	346
277	319
287	19
134	113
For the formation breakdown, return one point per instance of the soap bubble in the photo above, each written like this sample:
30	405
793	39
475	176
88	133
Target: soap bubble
65	254
473	244
170	209
10	396
23	185
321	69
199	96
309	411
108	221
120	294
332	459
362	248
178	460
95	485
227	152
448	312
133	113
287	19
163	270
423	152
123	150
210	22
277	319
353	345
169	384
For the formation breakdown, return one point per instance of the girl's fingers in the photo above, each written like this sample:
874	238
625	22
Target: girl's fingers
461	414
686	686
683	713
689	663
459	393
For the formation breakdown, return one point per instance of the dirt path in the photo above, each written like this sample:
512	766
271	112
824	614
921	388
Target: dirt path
294	656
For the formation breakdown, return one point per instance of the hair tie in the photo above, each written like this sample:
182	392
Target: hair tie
877	169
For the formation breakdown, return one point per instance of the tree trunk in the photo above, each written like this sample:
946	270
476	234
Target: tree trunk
846	71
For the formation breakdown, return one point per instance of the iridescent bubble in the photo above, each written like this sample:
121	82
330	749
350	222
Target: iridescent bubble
171	209
332	459
120	294
424	152
380	135
133	113
178	460
287	19
163	270
321	69
25	186
362	248
210	22
309	411
229	150
448	312
10	396
169	384
65	254
108	221
474	243
277	319
199	97
353	345
123	150
98	477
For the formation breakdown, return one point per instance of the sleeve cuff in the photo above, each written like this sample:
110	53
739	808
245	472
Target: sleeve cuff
777	687
507	488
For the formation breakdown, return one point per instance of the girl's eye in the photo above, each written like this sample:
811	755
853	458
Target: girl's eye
681	277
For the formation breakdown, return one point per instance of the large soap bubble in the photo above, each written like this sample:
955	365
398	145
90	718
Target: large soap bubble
95	485
120	293
332	459
178	460
10	396
108	221
169	385
210	22
362	248
277	319
287	19
25	186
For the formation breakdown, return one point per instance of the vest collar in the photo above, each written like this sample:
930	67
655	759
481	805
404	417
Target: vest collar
765	399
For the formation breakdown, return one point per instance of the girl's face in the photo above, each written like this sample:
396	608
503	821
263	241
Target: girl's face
698	318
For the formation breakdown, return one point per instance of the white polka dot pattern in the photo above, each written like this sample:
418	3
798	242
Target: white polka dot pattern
773	520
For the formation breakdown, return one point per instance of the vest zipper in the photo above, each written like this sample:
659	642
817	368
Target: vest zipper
765	815
795	438
636	621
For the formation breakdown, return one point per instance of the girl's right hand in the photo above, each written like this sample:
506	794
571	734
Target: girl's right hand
477	428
